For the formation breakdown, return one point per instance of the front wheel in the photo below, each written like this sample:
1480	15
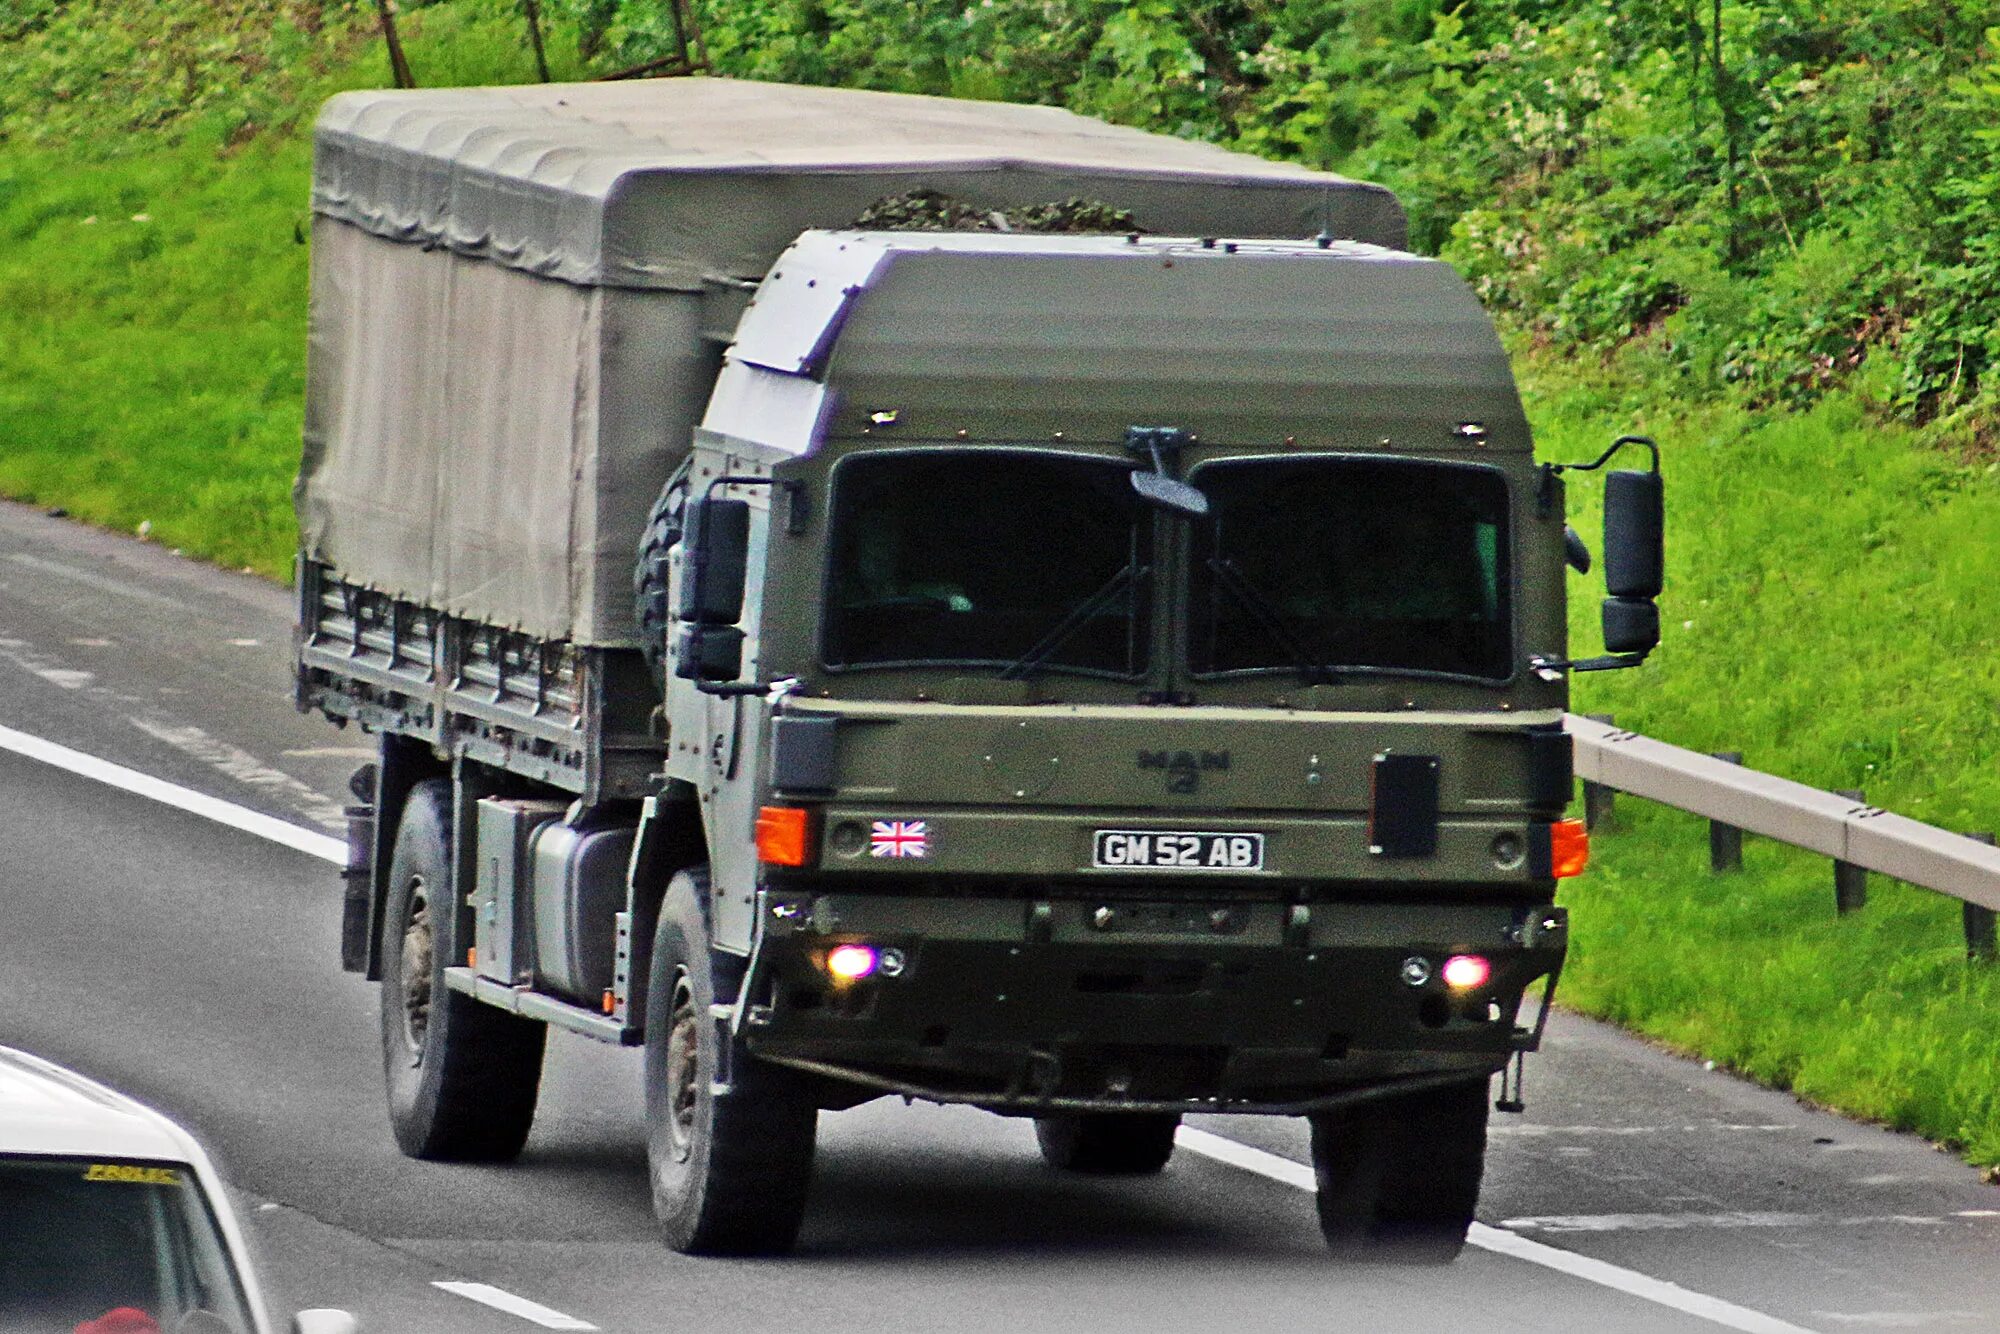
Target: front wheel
1399	1177
462	1076
730	1168
1120	1144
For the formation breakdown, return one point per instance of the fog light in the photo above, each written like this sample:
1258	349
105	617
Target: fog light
1466	972
850	963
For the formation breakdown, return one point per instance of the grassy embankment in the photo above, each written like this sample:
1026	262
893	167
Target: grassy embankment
1784	265
153	178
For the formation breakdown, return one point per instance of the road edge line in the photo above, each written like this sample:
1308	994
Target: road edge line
1501	1242
267	827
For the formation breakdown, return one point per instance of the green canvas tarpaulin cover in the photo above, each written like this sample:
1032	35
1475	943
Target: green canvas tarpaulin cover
660	183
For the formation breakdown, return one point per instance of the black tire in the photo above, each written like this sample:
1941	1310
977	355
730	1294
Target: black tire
1111	1144
649	575
1399	1177
730	1173
462	1076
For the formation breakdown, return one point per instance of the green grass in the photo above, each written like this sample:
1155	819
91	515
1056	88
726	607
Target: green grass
1833	593
1877	1014
1831	607
155	292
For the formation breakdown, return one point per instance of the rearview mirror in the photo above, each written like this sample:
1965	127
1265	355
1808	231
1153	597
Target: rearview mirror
1634	526
1635	558
717	544
1162	490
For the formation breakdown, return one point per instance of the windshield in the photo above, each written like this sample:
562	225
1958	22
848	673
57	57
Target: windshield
1312	565
83	1238
1018	560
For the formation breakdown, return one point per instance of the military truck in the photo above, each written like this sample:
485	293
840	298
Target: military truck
1099	678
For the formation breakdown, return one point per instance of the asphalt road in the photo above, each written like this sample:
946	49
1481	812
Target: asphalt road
195	966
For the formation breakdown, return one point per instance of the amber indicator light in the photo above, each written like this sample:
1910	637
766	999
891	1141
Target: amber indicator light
1569	848
783	835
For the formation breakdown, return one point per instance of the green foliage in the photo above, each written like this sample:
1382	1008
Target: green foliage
1768	207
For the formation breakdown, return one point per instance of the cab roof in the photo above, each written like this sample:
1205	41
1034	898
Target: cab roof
46	1109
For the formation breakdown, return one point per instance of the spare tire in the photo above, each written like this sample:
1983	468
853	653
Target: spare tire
649	575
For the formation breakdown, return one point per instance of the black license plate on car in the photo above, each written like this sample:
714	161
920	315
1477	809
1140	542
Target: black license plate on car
1176	850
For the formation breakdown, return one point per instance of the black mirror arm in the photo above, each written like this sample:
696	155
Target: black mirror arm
1545	493
1550	668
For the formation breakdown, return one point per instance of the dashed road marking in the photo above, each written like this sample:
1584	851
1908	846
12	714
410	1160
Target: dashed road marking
1501	1242
502	1300
244	767
92	579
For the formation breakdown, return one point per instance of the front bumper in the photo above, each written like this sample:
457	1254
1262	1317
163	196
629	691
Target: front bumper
1119	1004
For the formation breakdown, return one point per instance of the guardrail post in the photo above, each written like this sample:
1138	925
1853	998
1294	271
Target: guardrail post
1597	798
1725	842
1850	882
1980	946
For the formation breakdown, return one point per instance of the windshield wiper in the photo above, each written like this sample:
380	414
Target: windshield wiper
1270	620
1127	577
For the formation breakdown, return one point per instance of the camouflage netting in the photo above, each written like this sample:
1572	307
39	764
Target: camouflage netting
935	211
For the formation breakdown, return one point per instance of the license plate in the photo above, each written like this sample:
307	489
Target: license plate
1175	850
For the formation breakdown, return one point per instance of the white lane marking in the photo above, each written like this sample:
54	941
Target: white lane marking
1728	1220
1905	1319
1548	1132
94	580
330	752
228	813
502	1300
244	767
1673	1295
1629	1282
48	669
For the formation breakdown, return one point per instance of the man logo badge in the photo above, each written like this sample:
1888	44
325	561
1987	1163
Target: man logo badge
1184	768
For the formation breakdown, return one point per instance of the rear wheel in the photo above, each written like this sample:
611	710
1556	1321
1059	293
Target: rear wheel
1108	1143
729	1170
1399	1177
462	1076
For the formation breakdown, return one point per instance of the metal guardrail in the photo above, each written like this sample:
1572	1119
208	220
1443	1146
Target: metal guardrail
1857	836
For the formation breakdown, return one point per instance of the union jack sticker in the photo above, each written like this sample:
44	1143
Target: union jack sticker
899	838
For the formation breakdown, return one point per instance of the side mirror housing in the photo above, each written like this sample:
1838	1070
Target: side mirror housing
708	653
1634	534
1635	560
1631	625
717	541
708	645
